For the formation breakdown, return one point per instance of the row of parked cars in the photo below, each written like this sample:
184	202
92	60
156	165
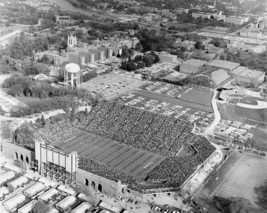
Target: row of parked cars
165	210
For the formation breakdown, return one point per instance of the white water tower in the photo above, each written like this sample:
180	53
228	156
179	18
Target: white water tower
72	75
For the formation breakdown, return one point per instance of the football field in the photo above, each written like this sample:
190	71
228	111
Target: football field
134	162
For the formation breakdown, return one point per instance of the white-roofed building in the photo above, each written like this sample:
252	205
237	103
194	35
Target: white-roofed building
7	176
192	66
53	210
82	208
67	201
110	207
18	182
14	201
168	58
248	77
48	194
67	190
105	211
34	189
212	79
27	208
219	76
3	191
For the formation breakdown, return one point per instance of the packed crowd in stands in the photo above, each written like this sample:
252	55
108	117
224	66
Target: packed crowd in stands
141	129
144	130
51	133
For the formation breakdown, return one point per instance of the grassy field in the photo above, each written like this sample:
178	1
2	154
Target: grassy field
239	176
259	136
134	162
237	113
202	97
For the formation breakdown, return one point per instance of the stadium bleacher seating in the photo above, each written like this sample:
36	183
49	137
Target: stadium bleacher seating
143	130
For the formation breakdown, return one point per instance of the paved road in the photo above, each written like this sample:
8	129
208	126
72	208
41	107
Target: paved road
217	115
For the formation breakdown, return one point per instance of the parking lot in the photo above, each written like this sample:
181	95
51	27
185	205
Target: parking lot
198	96
168	109
112	85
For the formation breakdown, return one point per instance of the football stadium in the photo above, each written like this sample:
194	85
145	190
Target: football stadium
117	149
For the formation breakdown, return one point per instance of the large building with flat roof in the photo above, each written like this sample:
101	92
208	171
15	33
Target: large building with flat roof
192	66
248	77
235	20
222	64
62	19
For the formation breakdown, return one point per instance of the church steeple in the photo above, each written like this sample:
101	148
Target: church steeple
72	41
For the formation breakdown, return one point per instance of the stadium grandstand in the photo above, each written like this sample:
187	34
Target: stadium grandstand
144	151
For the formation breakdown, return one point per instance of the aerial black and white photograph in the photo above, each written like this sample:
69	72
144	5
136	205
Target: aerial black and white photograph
133	106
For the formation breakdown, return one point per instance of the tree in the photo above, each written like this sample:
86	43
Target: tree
148	59
157	59
199	45
261	192
44	60
40	44
124	53
24	136
138	47
131	52
21	47
41	207
43	122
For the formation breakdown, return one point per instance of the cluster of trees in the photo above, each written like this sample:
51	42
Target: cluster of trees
23	47
20	14
217	204
126	53
24	136
230	205
111	27
219	42
42	105
41	207
89	75
22	86
140	61
251	60
151	40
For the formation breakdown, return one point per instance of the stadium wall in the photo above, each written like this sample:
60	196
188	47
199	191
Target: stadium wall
15	152
97	183
114	189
